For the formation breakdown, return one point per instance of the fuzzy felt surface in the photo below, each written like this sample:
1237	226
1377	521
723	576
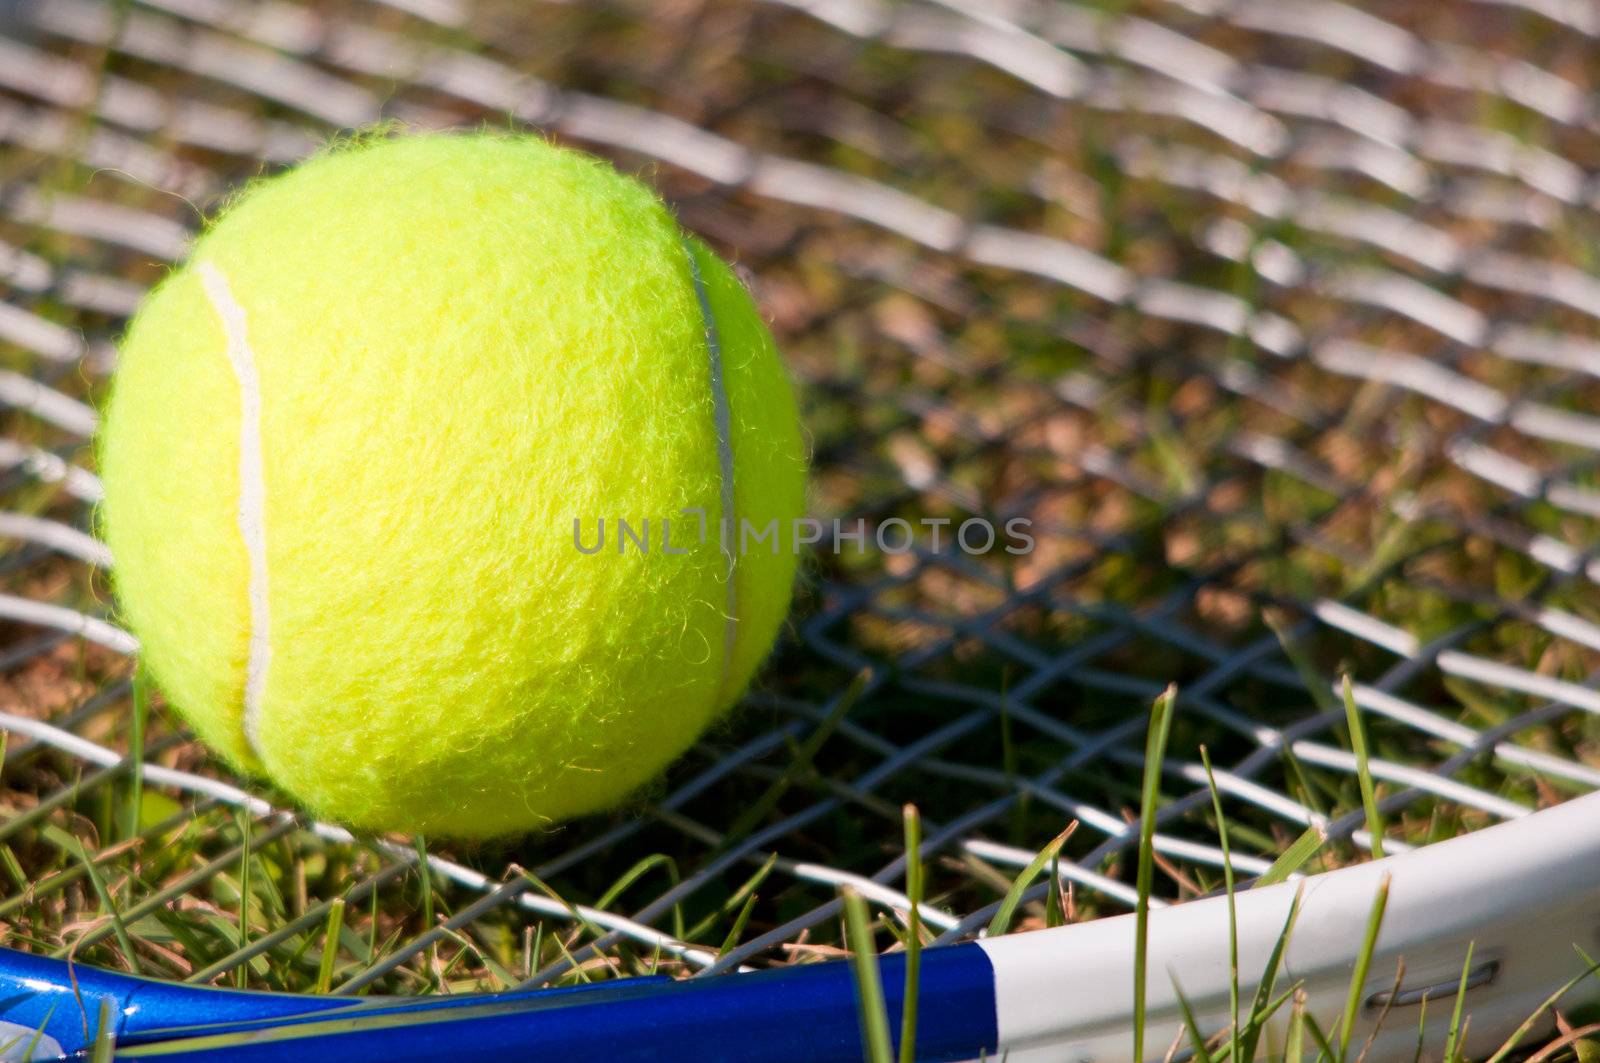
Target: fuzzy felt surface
462	343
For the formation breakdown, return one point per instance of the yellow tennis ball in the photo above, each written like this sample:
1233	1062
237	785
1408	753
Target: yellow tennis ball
353	448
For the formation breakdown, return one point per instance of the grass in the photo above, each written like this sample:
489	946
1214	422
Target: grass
1369	792
869	990
1235	1045
1006	912
1155	754
329	954
914	887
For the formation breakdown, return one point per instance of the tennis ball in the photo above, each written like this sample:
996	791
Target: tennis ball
354	444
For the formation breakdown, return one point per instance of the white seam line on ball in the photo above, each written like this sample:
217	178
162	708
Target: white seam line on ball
724	423
252	489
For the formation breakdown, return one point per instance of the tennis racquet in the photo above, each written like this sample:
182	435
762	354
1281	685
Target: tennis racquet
1054	994
1275	320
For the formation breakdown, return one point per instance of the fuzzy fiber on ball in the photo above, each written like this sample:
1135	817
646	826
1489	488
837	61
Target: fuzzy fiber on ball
460	343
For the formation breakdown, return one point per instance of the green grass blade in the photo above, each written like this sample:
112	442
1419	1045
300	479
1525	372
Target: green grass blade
13	869
588	924
908	1011
1272	1007
876	1046
1358	743
1527	1024
1233	911
425	891
105	1038
633	874
1261	1007
1326	1052
424	882
35	1036
1155	752
330	945
1358	977
736	900
1197	1036
1019	885
117	925
576	969
1294	857
1055	902
372	928
1452	1040
739	922
475	947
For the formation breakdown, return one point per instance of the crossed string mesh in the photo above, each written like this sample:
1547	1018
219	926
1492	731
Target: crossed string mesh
1273	318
